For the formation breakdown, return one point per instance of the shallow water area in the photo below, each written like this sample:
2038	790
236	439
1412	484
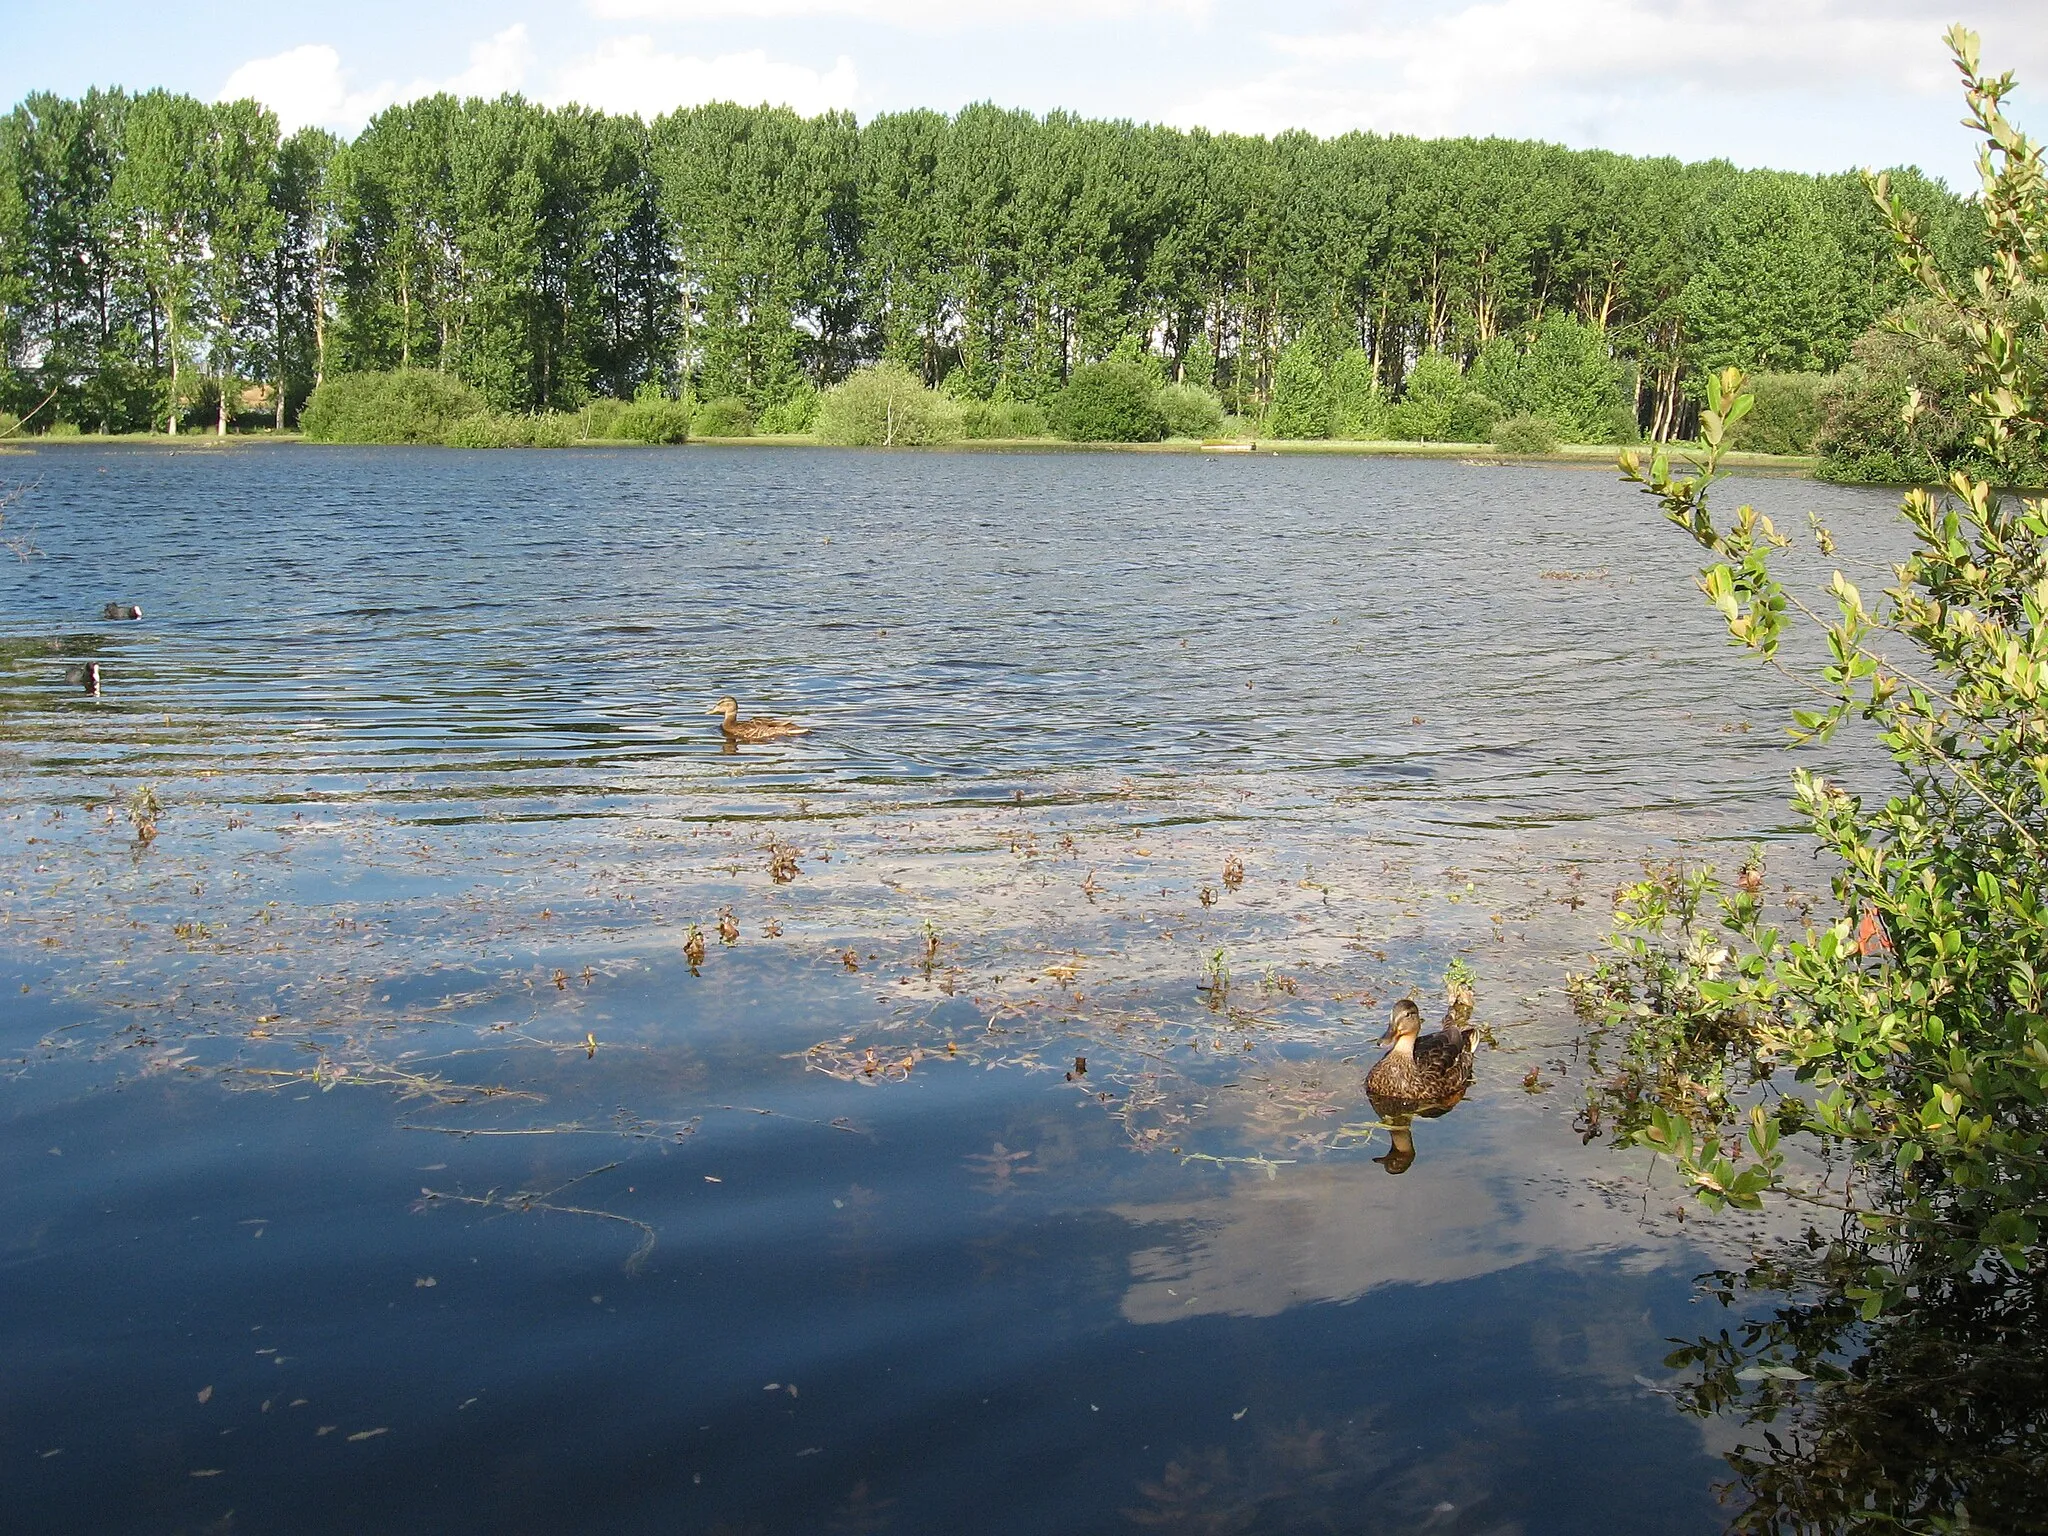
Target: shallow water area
483	1102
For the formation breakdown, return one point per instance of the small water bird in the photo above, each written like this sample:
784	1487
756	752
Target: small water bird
121	611
86	675
759	728
1423	1069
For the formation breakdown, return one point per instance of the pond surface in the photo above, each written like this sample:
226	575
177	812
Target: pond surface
375	1157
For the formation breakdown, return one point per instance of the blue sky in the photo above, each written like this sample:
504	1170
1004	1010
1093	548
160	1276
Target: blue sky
1801	84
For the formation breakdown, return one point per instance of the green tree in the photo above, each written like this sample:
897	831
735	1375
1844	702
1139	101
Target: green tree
1302	402
239	228
886	406
1358	407
1434	390
297	278
1768	295
162	196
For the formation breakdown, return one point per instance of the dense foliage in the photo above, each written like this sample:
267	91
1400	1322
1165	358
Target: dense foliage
887	406
407	405
1524	433
727	416
1899	412
1112	402
1190	411
1787	417
162	259
984	420
650	418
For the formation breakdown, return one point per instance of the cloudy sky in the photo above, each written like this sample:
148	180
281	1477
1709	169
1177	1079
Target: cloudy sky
1801	84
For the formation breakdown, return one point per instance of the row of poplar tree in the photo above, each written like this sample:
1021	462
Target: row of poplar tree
162	257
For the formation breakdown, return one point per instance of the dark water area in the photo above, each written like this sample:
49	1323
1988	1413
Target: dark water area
374	1156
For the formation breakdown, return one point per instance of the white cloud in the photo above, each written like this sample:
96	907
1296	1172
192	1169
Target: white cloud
1619	72
496	66
923	15
629	74
305	86
309	85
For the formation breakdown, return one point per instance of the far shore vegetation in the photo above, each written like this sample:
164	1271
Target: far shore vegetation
567	276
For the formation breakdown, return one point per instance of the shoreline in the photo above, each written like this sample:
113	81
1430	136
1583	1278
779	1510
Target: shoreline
1477	454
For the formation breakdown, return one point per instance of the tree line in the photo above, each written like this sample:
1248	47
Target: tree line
164	260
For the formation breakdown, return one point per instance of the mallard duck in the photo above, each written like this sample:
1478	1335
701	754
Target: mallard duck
121	611
85	675
1424	1070
760	728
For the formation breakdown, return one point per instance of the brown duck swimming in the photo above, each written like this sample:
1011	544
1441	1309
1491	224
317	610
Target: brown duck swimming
121	611
759	728
1424	1071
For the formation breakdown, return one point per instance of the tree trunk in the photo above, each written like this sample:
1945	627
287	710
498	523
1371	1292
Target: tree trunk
320	325
278	330
223	418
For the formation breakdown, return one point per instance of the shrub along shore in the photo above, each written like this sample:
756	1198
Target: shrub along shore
1118	404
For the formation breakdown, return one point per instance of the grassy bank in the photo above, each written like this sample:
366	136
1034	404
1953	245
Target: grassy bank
1589	454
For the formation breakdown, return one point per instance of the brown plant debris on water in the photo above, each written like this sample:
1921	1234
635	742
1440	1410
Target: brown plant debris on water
542	1202
220	963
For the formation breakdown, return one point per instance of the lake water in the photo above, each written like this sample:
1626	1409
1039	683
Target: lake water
373	1157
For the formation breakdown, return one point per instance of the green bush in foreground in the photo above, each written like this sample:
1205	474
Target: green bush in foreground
1787	415
1907	1036
1190	411
1525	434
1110	402
886	406
410	405
727	416
1472	418
598	422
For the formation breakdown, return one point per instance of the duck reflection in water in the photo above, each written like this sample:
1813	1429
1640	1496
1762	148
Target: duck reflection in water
1420	1076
